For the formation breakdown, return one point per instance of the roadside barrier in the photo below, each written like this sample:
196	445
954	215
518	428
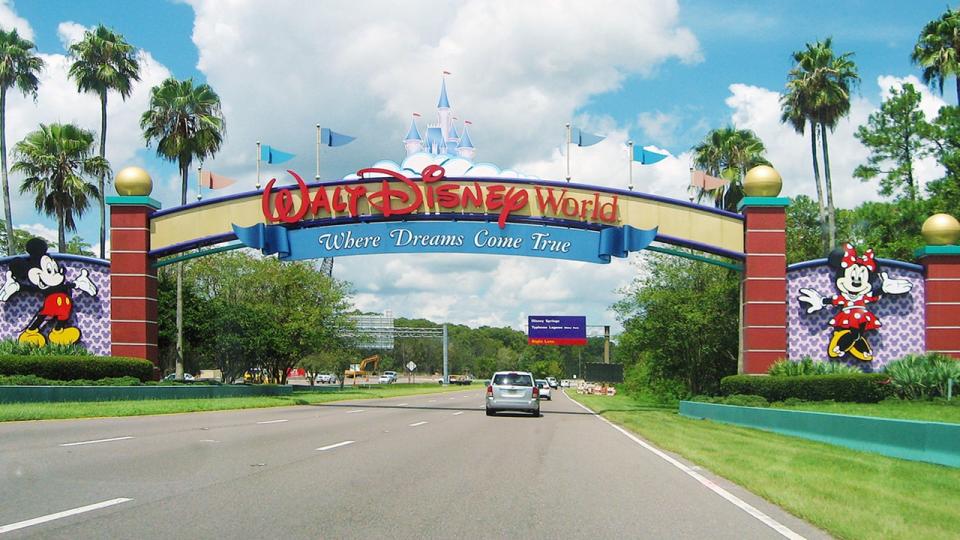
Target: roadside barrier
932	442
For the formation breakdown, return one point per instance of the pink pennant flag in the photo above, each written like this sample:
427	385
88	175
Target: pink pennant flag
706	182
215	181
416	115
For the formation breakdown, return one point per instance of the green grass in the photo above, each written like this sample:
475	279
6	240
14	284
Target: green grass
848	493
48	411
931	411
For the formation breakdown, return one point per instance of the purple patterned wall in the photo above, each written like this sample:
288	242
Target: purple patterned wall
90	314
902	315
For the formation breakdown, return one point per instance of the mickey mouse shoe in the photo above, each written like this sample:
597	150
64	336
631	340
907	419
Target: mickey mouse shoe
32	337
65	336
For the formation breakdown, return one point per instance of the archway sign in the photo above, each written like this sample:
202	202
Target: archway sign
388	212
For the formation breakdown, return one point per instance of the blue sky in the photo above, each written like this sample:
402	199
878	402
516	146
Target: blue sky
659	72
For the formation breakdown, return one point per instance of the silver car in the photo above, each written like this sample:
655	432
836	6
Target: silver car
513	391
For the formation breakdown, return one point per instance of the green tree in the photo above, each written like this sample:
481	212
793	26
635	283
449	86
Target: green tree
818	90
804	231
681	318
186	121
897	135
271	313
19	67
937	50
729	153
55	159
104	61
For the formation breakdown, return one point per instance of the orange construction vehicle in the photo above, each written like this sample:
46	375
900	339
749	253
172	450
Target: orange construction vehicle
360	370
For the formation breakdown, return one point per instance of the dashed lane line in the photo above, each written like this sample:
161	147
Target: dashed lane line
96	441
457	413
66	513
332	446
415	424
355	411
273	421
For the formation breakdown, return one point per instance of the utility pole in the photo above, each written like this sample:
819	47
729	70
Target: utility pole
446	366
606	344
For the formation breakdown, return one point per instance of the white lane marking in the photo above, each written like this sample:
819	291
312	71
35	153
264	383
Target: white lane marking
415	424
453	398
458	412
96	441
58	515
432	401
402	404
332	446
709	484
273	421
355	411
209	440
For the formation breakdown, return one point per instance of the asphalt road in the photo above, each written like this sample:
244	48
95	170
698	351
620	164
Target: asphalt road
430	466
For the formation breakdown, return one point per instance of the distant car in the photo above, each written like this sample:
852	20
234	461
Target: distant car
326	378
566	383
544	387
388	377
513	391
173	377
553	382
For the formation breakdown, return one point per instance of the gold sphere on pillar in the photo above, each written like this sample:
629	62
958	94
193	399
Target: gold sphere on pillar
133	181
941	230
762	181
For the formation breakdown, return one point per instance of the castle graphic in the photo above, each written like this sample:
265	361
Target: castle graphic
442	137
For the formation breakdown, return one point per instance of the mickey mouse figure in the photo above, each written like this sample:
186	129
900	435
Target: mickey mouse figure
859	282
39	272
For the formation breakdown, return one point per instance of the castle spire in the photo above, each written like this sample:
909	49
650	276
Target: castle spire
414	133
444	103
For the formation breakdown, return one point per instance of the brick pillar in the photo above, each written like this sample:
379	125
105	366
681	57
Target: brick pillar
942	285
763	324
133	282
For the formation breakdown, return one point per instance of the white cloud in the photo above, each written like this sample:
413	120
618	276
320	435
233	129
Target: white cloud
70	32
369	71
42	231
10	20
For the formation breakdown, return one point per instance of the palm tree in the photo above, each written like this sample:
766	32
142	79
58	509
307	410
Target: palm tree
19	67
818	93
938	50
104	61
793	105
729	153
55	159
187	123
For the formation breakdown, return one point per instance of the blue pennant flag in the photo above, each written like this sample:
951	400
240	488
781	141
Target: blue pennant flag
272	155
269	239
620	241
646	157
330	137
582	138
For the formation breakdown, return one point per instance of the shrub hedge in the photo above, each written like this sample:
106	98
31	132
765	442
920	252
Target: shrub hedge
859	388
66	368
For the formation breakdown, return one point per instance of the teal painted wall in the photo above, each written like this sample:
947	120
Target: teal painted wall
933	442
38	394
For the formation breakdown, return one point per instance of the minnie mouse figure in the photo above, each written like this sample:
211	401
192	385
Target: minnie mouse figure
859	282
39	272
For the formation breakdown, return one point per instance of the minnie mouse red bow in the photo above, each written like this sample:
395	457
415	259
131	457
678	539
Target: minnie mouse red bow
850	258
